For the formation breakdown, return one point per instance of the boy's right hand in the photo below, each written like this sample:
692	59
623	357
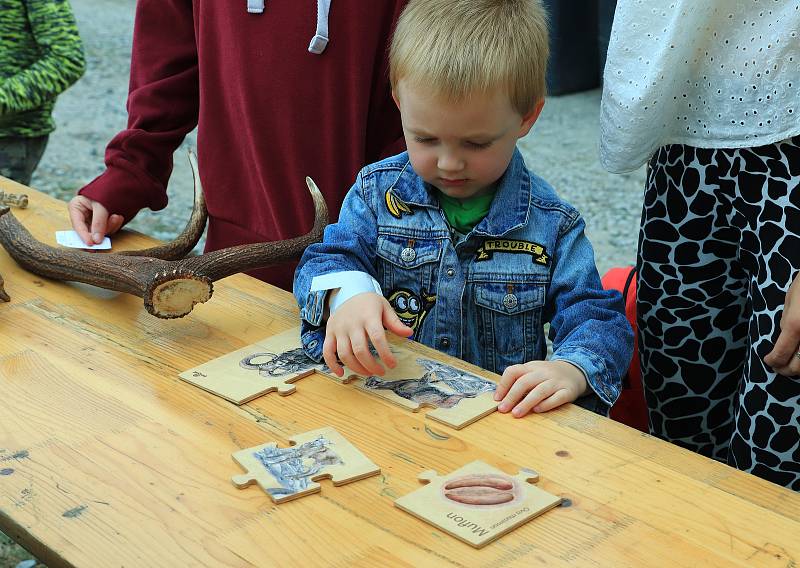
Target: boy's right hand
351	328
91	220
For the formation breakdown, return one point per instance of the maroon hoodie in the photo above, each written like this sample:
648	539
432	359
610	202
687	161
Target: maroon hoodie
269	112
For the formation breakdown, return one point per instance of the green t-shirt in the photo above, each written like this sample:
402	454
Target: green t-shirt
41	54
464	214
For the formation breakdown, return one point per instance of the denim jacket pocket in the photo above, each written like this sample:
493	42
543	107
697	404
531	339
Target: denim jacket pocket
408	262
510	320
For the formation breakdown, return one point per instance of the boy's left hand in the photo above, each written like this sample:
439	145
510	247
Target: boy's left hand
539	386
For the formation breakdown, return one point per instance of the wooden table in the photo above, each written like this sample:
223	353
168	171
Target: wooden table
108	459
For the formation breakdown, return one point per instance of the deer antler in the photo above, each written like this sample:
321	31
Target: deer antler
170	288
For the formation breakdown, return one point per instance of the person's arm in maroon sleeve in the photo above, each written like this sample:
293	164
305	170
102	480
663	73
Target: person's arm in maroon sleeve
162	109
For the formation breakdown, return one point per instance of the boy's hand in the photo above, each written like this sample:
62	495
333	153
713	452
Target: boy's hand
357	322
539	386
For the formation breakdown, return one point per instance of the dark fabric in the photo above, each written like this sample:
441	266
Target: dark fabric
19	157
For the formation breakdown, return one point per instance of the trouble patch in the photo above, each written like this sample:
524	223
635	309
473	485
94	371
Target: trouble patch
538	252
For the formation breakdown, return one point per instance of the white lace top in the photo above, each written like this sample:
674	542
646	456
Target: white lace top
707	73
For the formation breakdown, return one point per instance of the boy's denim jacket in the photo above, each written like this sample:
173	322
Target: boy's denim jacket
486	298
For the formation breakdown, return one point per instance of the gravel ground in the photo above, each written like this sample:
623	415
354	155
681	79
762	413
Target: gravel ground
562	148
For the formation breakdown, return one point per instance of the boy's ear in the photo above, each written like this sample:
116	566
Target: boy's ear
529	119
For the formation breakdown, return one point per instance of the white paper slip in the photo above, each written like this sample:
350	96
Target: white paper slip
72	240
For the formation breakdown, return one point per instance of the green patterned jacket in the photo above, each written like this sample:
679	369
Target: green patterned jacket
41	55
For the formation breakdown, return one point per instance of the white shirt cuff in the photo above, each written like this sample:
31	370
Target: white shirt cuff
345	284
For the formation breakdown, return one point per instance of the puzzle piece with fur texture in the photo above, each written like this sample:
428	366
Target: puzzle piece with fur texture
289	473
457	397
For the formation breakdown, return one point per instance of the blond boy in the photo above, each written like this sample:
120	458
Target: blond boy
455	242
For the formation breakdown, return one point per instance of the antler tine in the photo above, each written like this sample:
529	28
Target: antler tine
225	262
3	296
189	237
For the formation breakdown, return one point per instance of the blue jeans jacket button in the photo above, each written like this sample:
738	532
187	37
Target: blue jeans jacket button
510	301
408	254
445	343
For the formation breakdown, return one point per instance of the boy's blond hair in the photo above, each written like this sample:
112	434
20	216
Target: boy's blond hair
460	47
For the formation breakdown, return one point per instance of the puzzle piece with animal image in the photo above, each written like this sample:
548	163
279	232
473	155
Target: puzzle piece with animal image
458	397
263	367
289	473
478	503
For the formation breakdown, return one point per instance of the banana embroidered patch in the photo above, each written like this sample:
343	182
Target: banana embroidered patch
396	206
411	308
538	252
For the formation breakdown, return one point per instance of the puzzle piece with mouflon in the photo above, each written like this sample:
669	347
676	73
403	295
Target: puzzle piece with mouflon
289	473
478	503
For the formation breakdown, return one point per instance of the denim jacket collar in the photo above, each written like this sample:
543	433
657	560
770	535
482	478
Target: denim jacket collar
509	209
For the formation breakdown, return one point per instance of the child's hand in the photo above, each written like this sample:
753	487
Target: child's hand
357	322
539	386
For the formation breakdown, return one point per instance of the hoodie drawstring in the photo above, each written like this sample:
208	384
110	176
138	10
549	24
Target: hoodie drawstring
320	40
255	6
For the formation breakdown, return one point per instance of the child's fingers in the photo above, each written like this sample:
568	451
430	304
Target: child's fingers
345	353
393	323
377	337
555	400
329	355
362	353
519	390
539	393
511	374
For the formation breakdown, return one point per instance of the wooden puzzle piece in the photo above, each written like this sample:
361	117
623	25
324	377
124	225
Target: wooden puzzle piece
263	367
289	473
478	503
458	397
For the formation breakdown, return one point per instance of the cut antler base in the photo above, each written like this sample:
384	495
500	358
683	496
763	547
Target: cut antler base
170	288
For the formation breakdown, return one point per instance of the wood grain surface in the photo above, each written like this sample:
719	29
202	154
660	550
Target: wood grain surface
107	458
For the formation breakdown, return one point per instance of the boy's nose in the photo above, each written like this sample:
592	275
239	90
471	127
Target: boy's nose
450	163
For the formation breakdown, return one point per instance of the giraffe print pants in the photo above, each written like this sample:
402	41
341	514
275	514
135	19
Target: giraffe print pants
719	246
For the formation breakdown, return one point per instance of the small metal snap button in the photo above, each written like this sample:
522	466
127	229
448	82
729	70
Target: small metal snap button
408	254
445	342
451	272
510	301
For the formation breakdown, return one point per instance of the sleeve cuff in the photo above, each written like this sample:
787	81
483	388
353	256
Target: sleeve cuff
313	310
607	388
123	191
